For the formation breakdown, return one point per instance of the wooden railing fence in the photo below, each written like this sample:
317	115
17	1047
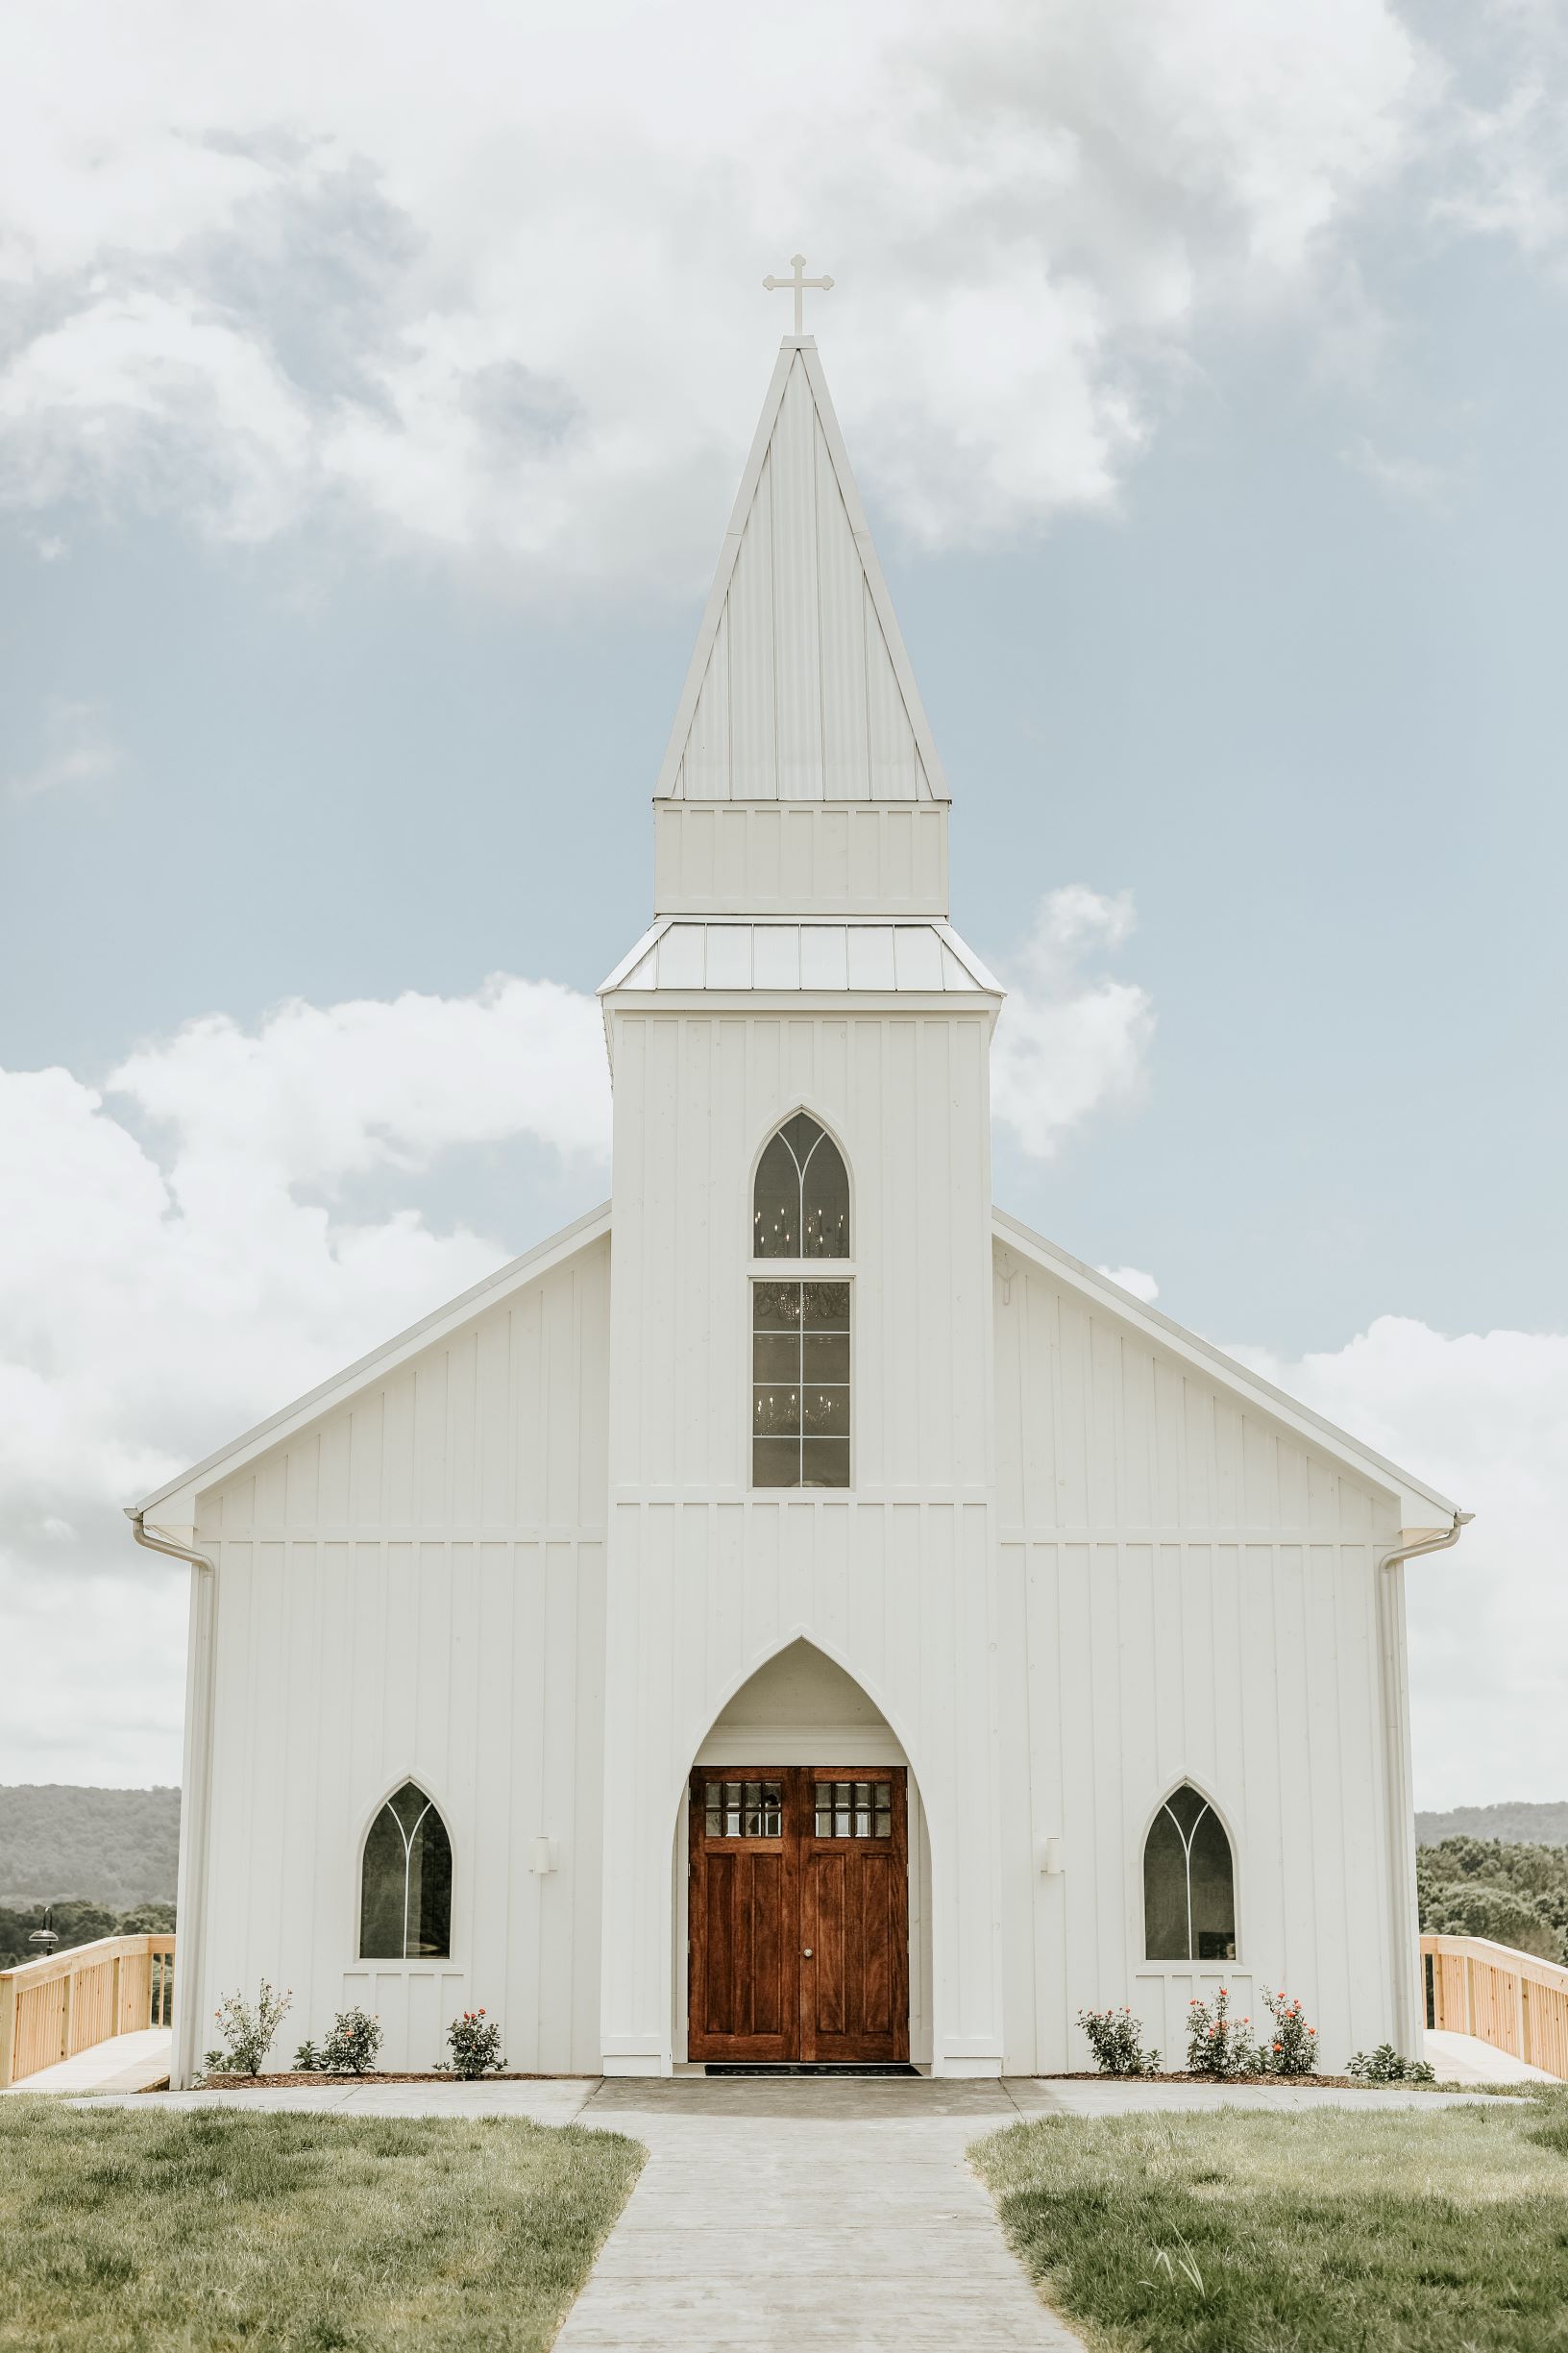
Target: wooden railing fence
50	2010
1501	1997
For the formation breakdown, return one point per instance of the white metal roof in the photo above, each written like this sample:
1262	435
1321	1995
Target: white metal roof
799	687
927	958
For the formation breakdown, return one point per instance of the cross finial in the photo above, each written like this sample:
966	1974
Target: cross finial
798	285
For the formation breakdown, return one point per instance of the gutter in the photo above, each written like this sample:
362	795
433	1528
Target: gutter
1409	2001
190	1918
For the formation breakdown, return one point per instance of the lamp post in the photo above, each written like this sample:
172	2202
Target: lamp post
44	1940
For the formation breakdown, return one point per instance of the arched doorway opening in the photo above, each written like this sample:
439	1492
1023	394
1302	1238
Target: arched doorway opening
801	1880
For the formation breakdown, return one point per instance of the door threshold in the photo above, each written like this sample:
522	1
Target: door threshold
809	2067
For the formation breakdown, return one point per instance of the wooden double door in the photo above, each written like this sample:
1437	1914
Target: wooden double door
799	1914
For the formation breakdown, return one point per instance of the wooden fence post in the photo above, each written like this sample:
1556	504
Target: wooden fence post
7	2029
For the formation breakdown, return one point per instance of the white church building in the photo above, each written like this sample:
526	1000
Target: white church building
797	1615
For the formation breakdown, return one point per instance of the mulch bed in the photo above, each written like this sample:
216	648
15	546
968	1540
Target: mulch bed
375	2074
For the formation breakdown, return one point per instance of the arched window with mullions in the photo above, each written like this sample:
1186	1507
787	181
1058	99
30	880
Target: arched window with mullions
406	1881
799	1328
1188	1882
801	1205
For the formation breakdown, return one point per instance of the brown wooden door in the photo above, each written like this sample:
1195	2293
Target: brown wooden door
799	1914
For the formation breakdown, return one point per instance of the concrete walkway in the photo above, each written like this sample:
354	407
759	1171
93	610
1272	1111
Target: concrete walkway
806	2211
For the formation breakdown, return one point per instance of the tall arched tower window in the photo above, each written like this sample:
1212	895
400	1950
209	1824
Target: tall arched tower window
1188	1882
406	1881
800	1327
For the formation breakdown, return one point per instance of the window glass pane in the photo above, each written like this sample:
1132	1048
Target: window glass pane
801	1134
1213	1893
827	1203
775	1210
775	1411
775	1356
855	1810
775	1462
776	1307
429	1889
825	1356
826	1307
384	1886
1186	1805
824	1462
826	1412
1165	1893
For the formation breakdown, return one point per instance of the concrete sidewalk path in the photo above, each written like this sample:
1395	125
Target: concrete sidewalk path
806	2211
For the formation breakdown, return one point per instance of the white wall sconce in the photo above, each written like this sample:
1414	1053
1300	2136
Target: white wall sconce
545	1857
1050	1857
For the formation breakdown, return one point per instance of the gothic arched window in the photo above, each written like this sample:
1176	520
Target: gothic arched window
801	1207
800	1329
1188	1882
406	1881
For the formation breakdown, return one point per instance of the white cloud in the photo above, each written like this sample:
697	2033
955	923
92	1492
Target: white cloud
1133	1279
156	1301
491	281
1069	1042
78	750
1407	480
1484	1416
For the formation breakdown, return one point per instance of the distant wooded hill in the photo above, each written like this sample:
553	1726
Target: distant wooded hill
115	1846
1538	1826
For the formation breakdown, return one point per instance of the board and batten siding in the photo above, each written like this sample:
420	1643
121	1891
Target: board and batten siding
707	1577
1186	1591
414	1588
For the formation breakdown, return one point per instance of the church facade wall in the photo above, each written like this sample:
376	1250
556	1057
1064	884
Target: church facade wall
414	1588
1186	1592
708	1577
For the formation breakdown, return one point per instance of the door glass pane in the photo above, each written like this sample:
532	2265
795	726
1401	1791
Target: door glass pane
855	1810
743	1809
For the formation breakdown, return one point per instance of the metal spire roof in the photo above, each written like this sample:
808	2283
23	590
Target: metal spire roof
799	687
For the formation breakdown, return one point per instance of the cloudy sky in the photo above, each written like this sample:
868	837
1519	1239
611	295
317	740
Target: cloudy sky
374	381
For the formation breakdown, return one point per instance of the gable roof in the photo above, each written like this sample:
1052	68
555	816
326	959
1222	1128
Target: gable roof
799	687
542	1259
1413	1494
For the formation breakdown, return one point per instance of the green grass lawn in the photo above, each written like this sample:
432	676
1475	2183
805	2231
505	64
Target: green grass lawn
122	2228
1425	2230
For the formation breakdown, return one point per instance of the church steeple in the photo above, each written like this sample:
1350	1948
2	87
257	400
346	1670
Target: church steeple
799	688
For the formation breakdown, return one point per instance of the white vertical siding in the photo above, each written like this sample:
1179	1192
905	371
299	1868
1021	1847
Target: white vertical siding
708	1578
415	1587
1186	1591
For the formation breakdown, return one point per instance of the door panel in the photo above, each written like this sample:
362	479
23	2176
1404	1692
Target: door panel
800	1939
855	1921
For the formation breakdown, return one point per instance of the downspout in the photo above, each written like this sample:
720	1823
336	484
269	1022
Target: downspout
1410	2007
190	1918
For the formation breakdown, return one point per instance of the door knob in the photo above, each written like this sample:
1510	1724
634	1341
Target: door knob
805	1952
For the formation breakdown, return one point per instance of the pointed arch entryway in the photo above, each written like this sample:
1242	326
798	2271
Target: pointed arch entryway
803	1867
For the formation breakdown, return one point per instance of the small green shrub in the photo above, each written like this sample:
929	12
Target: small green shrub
1292	2047
1217	2045
1385	2064
475	2045
1116	2037
248	2030
351	2049
307	2060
